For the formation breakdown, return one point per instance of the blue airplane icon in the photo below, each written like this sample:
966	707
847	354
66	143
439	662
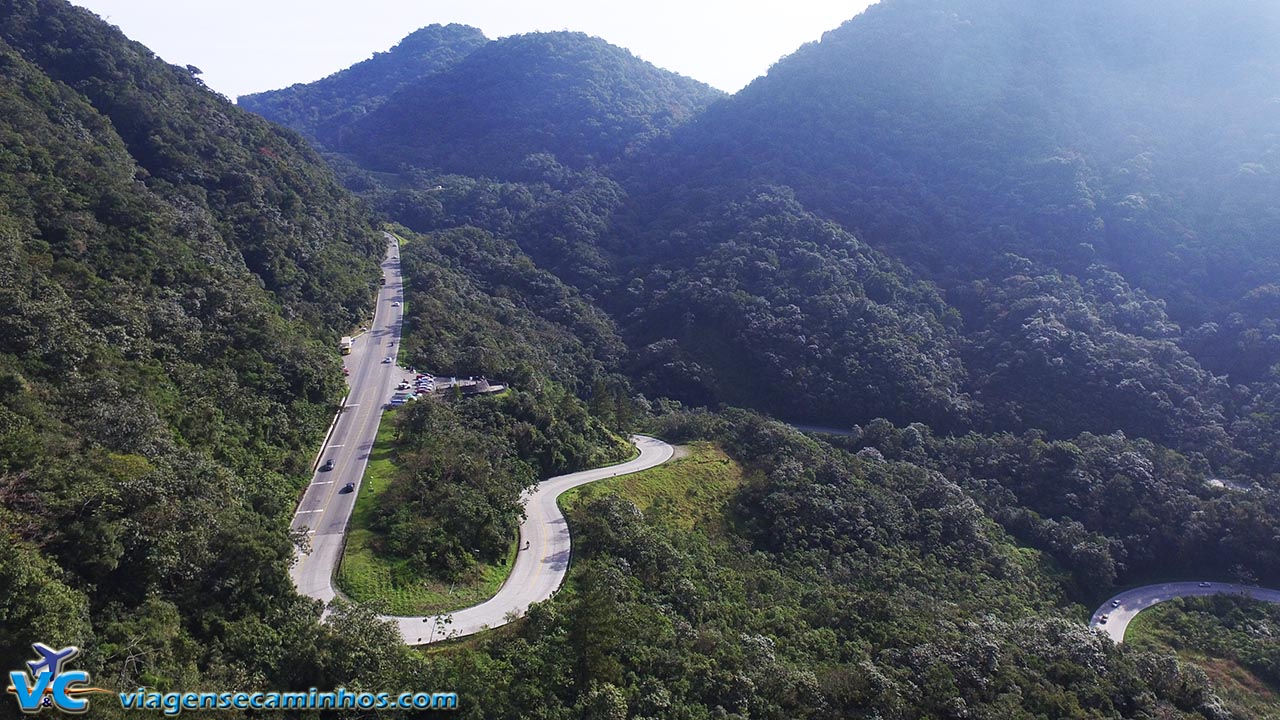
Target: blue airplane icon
50	659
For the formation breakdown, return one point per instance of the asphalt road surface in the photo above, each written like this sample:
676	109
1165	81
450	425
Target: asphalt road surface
325	508
538	571
1132	602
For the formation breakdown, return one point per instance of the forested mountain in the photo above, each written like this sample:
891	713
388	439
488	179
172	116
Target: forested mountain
1090	186
173	275
321	109
579	98
1135	134
1022	251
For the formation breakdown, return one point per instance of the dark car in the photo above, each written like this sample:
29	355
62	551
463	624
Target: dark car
327	466
349	487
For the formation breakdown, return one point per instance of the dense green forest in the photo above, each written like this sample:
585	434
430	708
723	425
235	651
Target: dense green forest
175	273
323	109
1089	185
1022	252
587	102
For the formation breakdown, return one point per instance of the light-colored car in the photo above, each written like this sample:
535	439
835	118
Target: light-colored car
1104	618
1205	584
1115	603
395	304
388	360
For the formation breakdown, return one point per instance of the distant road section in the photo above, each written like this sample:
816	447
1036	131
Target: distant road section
821	430
1121	609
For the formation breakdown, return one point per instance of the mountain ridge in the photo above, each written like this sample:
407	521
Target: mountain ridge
571	95
350	93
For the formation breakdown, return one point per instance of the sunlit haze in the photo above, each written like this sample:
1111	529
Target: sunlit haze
246	46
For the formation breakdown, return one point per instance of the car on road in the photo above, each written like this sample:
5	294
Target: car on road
1104	618
345	371
328	465
349	487
388	360
1205	584
395	304
1115	603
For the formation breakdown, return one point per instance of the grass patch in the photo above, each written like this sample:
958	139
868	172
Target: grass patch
1169	628
690	493
365	576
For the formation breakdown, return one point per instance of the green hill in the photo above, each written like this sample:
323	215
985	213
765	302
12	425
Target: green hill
174	273
576	97
322	109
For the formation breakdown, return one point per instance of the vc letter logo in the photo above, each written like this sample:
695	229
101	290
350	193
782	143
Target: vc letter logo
49	685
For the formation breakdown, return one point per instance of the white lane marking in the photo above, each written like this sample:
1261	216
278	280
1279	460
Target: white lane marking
308	512
335	446
326	482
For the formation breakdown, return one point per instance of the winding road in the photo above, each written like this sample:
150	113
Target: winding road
1122	608
538	571
325	509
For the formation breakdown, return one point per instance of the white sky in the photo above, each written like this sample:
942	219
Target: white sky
246	46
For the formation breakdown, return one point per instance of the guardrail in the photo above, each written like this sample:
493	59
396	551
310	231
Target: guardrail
324	444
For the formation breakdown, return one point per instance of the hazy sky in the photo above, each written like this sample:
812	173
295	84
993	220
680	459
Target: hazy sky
245	46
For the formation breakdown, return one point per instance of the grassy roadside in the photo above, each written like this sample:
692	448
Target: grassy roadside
1171	629
690	493
365	576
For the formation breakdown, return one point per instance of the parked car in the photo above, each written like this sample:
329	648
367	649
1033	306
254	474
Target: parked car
345	371
327	466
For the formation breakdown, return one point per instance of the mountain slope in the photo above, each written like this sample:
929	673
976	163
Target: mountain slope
579	98
1090	185
173	275
321	109
1136	133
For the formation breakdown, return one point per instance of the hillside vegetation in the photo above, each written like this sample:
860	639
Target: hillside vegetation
175	273
577	97
323	109
1021	253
